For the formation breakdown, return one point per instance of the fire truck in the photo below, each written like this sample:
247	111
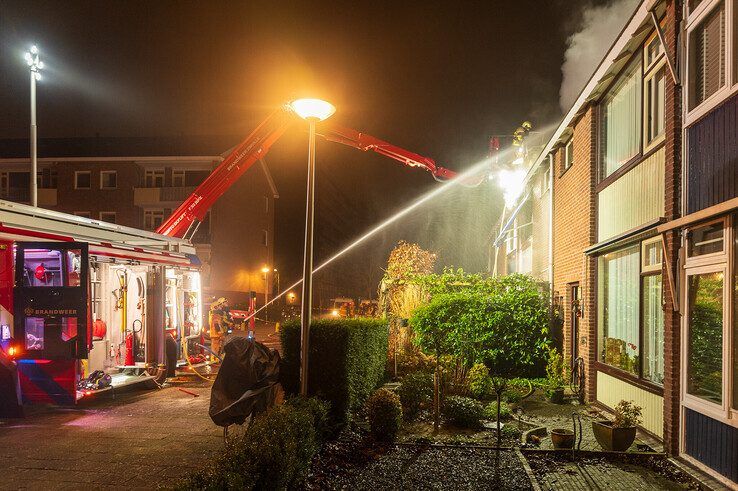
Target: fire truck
79	297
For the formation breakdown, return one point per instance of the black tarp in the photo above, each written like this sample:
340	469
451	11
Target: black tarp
247	382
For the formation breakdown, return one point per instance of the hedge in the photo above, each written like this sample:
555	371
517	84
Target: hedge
274	453
347	361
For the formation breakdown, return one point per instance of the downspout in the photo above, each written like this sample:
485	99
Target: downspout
550	227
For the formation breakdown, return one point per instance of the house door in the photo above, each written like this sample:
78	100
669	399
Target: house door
575	314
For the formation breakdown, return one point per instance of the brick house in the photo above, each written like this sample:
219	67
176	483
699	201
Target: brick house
616	163
137	182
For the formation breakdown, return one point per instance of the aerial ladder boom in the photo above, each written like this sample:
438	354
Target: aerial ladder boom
186	218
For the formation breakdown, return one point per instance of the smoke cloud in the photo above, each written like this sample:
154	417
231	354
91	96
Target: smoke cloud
596	32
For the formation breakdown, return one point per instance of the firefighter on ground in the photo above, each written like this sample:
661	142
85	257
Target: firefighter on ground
220	323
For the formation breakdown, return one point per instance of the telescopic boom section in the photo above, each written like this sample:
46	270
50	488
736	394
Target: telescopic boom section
185	219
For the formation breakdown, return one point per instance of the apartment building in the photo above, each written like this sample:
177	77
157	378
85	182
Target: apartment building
139	182
642	241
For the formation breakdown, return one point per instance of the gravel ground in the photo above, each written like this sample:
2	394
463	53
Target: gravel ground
350	463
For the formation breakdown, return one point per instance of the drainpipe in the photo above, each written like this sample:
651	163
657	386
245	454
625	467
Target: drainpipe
550	228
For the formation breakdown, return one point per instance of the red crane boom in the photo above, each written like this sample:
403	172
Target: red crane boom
185	219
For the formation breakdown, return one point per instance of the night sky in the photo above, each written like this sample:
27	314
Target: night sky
436	78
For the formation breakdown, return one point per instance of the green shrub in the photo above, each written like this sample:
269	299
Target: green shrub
384	412
490	411
274	453
347	360
318	410
511	431
480	383
463	411
416	393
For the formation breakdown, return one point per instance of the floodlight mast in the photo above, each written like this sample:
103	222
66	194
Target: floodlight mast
34	65
185	219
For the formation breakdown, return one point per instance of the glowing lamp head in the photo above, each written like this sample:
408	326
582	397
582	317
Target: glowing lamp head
313	109
12	351
265	269
334	313
512	183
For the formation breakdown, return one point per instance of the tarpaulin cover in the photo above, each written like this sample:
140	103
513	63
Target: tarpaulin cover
247	381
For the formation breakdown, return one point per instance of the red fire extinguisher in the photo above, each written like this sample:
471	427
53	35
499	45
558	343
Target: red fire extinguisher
129	349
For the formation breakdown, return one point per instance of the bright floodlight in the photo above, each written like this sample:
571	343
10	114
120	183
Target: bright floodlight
313	109
34	62
265	269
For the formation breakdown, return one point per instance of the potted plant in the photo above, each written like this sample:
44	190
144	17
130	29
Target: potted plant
618	435
555	381
562	438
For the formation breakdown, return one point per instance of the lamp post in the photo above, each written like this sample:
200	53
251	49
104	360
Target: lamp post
266	270
34	65
311	110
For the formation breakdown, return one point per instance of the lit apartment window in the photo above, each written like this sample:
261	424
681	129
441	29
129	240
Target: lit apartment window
108	179
154	178
630	316
620	120
178	178
153	219
707	56
569	154
82	179
264	238
83	214
107	216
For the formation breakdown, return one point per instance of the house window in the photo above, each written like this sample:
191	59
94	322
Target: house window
107	216
630	310
653	101
108	179
264	238
154	178
705	336
618	291
706	239
83	214
178	178
82	179
569	154
707	56
153	219
620	120
653	51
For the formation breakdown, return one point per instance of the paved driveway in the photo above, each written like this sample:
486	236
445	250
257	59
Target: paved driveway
139	440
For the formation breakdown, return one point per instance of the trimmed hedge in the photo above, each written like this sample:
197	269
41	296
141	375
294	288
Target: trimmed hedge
274	453
347	361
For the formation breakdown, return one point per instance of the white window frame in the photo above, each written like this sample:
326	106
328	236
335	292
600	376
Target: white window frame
648	75
82	214
113	172
115	216
179	173
720	256
568	163
151	212
154	174
79	173
651	268
730	87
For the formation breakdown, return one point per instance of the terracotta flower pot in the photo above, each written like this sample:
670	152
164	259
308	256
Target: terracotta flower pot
562	438
613	439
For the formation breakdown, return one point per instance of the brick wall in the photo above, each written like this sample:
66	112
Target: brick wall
672	167
573	231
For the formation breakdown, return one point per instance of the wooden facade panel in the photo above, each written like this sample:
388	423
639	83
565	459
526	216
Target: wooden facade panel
634	199
611	390
712	152
711	442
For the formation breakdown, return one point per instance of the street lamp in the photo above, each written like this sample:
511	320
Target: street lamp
34	64
266	270
311	110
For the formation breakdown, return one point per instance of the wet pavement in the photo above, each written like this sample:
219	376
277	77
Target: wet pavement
136	441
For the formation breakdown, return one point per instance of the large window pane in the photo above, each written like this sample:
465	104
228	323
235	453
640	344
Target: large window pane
707	57
620	114
653	330
705	336
618	292
654	97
